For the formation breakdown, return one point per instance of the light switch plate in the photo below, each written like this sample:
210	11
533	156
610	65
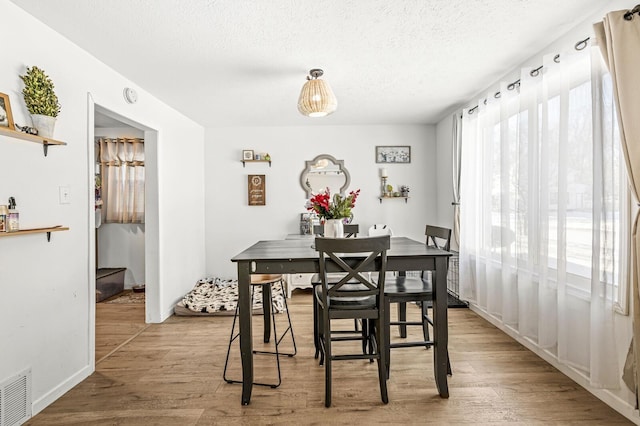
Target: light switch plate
64	194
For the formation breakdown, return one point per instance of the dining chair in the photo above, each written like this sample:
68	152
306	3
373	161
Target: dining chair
346	300
380	229
350	230
403	289
267	282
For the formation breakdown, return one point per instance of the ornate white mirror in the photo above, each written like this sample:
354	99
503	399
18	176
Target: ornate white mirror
322	172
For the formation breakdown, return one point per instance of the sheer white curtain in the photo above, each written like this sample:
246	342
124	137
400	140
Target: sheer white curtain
540	222
122	169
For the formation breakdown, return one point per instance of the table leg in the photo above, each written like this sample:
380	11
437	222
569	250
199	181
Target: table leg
402	312
440	326
266	308
246	343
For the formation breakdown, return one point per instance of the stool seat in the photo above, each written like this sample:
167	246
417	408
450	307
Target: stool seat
262	279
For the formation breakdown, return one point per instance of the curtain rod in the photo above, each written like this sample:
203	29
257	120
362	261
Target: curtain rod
580	45
533	73
629	15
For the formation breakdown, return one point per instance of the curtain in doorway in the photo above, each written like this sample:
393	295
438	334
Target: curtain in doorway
618	36
122	170
541	181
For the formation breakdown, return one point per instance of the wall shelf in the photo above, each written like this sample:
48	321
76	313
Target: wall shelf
255	161
393	198
47	230
46	142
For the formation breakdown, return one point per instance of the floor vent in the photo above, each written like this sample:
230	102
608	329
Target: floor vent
15	399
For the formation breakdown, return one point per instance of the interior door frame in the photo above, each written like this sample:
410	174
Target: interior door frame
151	244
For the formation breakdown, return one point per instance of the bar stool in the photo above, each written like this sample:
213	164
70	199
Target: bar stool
266	282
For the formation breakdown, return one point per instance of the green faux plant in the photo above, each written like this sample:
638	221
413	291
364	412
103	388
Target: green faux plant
38	93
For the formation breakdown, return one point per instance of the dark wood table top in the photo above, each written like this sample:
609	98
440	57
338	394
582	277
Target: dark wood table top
302	249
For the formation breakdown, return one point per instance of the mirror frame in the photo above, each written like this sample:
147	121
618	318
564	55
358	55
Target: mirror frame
309	164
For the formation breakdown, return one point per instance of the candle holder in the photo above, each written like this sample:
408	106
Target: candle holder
384	186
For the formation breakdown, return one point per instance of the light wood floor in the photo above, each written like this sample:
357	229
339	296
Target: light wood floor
116	324
171	374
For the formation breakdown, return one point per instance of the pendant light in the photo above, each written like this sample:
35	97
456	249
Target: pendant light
316	98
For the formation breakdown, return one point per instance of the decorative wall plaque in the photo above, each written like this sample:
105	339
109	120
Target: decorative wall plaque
256	190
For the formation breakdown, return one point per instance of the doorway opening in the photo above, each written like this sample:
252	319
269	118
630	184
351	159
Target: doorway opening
123	265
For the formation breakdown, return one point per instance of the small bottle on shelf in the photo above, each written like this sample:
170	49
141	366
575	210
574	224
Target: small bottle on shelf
13	218
4	212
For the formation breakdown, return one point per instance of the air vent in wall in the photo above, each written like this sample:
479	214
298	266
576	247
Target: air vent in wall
15	399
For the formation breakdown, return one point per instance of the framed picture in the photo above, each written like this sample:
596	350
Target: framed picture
247	154
256	189
6	118
393	154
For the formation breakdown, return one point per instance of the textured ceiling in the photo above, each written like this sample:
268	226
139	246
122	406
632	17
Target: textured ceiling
243	62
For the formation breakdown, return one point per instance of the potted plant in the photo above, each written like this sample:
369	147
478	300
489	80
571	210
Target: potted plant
41	100
404	190
388	191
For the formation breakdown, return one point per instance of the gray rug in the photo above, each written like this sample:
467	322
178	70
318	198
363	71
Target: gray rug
127	297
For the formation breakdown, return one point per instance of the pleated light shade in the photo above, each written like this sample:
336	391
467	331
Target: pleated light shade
317	99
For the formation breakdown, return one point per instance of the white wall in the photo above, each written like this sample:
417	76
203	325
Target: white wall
46	295
620	399
121	245
232	225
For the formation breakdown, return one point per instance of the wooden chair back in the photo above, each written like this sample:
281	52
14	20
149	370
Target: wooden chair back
370	250
350	230
380	229
438	237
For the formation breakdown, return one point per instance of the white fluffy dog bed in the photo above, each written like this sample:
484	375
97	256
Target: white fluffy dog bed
216	296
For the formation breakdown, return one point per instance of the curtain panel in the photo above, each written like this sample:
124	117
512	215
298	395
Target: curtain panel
618	36
541	187
456	152
122	169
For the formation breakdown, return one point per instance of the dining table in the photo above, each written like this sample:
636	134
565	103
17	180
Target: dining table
292	256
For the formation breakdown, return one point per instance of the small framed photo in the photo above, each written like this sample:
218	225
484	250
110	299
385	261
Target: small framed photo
247	154
393	154
6	118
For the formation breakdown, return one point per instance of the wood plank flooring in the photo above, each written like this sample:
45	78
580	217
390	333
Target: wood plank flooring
171	374
115	325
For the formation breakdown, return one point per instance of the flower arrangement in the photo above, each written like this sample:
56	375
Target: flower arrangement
338	207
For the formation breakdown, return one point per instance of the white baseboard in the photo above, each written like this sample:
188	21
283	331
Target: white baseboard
167	314
613	401
48	398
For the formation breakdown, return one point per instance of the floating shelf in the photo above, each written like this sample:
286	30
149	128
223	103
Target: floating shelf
255	161
31	138
393	198
48	231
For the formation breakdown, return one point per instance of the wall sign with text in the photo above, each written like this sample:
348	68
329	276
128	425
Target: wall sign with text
256	190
